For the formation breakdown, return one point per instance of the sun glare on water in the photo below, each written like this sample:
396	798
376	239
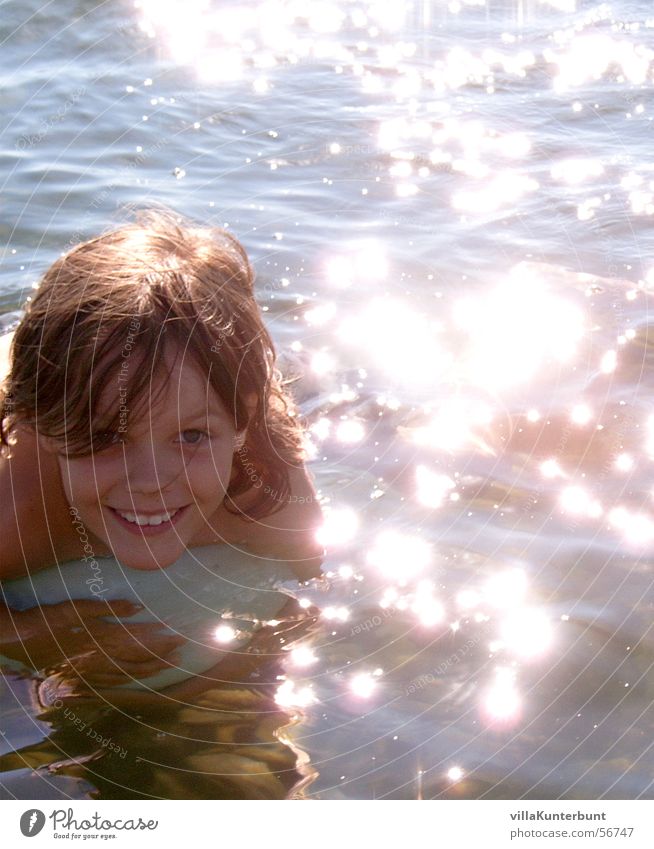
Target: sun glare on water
393	337
516	329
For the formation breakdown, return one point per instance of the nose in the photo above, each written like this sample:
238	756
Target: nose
149	471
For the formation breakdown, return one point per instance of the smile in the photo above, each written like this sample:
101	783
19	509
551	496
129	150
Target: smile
148	524
148	520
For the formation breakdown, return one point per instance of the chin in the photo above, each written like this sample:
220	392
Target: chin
148	562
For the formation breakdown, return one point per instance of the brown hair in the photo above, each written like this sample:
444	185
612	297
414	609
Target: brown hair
157	284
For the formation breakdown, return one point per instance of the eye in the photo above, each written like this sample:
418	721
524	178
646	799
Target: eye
193	437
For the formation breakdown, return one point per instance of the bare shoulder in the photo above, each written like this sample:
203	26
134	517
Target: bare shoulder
289	533
34	524
35	530
301	514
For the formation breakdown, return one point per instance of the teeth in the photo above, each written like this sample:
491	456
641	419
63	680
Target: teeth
147	520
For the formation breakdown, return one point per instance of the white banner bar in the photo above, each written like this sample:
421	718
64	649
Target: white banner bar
382	825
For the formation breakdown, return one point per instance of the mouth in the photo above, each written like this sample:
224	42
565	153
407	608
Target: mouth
148	524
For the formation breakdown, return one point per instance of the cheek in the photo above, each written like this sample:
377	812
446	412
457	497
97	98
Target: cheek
211	473
69	480
82	480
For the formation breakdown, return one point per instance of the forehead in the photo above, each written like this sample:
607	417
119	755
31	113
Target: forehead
177	388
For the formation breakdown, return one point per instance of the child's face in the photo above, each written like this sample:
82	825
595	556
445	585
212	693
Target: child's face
176	458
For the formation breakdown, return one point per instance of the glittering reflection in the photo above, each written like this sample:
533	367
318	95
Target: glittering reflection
637	528
433	142
641	202
462	67
468	599
455	773
224	634
432	489
291	695
217	41
364	684
428	609
526	632
518	328
389	598
366	262
502	701
590	56
574	171
389	16
350	431
340	526
302	656
324	17
649	437
502	190
578	502
217	68
568	6
320	315
321	428
221	42
506	589
581	414
586	209
398	340
342	614
322	363
399	556
624	463
551	468
452	427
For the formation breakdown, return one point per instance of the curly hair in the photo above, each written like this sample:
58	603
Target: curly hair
156	285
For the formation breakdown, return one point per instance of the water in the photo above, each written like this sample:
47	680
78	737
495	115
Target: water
449	212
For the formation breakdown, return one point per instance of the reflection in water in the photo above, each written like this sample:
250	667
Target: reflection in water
205	739
210	723
520	315
526	633
502	701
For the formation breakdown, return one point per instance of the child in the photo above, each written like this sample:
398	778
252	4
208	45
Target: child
143	415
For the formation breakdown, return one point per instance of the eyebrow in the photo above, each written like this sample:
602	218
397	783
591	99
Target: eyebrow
204	413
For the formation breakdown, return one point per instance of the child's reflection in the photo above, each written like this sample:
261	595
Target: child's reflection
215	735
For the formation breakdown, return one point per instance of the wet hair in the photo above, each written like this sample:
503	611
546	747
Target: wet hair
155	286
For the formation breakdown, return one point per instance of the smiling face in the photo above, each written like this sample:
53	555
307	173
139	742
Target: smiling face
155	490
